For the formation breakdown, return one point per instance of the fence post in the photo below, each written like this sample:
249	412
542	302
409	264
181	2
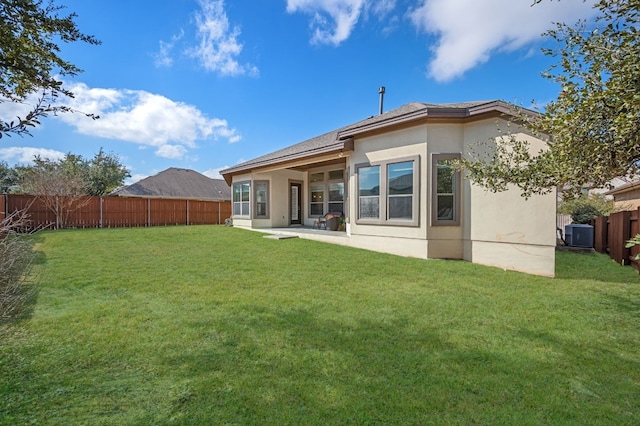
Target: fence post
5	206
57	214
626	235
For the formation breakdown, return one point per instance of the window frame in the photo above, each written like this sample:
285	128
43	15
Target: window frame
325	184
241	202
384	196
368	220
457	189
254	203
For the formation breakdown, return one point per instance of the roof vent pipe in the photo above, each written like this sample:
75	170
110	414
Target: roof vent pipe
381	91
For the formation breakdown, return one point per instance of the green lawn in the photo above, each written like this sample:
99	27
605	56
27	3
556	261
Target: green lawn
215	325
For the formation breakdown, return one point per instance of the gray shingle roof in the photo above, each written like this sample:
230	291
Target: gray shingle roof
335	139
178	183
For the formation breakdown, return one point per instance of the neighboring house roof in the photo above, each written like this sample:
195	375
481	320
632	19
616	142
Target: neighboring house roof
342	139
626	188
178	183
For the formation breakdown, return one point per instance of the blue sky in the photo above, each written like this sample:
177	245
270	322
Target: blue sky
206	84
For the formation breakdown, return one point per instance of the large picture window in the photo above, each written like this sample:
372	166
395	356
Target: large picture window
388	192
445	198
241	198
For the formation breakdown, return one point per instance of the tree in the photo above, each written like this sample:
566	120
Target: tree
64	185
593	125
8	178
61	185
30	61
586	207
106	173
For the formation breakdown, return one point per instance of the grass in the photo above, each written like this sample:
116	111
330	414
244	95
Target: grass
215	325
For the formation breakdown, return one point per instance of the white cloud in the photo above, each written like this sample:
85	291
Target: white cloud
334	28
24	155
333	21
218	46
174	152
214	173
381	7
135	178
144	118
163	58
470	31
10	111
467	32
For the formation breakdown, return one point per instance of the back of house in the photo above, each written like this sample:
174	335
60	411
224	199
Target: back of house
392	180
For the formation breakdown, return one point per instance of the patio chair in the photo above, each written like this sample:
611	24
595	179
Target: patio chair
321	222
331	219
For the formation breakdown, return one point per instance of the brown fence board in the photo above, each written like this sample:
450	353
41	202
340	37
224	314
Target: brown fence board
166	212
3	207
124	212
600	234
201	212
619	231
87	216
612	233
39	216
116	212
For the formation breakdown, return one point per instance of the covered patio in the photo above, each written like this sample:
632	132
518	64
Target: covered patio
309	233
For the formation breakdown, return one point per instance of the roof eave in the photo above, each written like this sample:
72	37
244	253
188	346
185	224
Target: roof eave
629	187
435	112
345	145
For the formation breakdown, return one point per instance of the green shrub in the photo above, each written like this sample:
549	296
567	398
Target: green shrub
585	214
634	242
585	208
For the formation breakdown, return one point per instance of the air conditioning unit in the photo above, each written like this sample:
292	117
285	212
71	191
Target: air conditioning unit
578	235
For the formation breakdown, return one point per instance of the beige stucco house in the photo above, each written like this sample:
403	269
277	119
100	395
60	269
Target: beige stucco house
390	176
626	196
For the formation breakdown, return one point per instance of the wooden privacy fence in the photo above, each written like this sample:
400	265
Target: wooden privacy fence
119	212
612	232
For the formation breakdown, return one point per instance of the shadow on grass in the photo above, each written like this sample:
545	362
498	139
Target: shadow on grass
593	266
20	285
293	367
630	306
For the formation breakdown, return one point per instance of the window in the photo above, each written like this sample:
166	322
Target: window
261	197
326	192
317	200
388	192
400	190
446	191
336	197
241	198
369	192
